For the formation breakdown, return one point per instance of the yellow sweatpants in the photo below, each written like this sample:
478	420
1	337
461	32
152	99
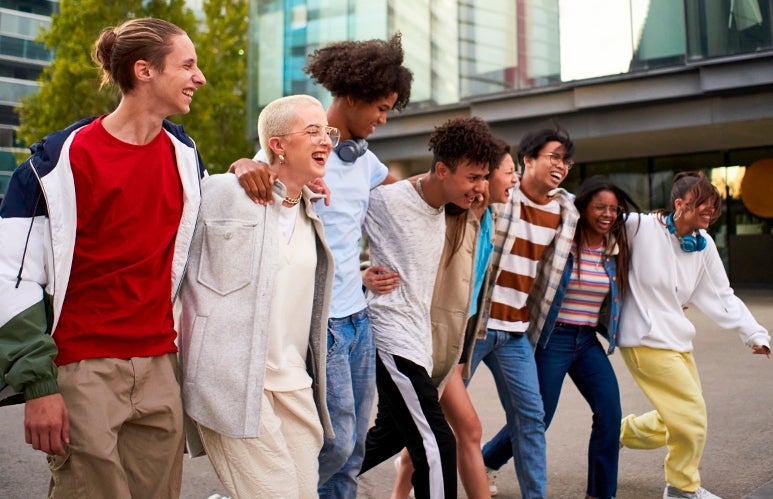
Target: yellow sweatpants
670	381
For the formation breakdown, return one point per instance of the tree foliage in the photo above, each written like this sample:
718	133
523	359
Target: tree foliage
70	85
218	117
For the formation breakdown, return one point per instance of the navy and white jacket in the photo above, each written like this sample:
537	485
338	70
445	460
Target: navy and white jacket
37	238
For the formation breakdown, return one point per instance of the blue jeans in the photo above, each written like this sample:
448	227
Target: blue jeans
351	387
576	350
511	361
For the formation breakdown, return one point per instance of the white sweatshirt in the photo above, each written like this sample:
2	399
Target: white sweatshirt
663	279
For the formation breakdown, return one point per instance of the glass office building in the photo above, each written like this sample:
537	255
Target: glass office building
646	88
22	58
21	61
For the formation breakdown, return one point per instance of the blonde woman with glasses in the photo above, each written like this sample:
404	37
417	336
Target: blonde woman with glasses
254	315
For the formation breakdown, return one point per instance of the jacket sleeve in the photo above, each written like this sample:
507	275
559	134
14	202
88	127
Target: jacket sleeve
715	298
27	349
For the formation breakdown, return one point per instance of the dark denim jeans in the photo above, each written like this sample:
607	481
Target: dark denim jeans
576	350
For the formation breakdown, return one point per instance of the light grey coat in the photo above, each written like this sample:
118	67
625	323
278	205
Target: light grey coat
225	306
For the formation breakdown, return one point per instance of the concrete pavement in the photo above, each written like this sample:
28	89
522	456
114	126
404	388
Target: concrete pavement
737	463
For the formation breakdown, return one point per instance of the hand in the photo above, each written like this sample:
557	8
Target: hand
255	178
47	424
319	186
761	350
380	280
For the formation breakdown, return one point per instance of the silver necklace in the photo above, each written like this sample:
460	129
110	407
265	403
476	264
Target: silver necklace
418	189
421	195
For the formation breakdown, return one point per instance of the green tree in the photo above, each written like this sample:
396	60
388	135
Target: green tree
218	117
70	85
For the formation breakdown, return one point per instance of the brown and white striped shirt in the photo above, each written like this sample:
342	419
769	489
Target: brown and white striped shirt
534	232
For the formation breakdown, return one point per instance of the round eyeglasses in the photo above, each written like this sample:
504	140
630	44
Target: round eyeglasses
557	160
317	134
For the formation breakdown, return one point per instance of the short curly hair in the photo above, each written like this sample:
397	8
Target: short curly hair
462	139
365	70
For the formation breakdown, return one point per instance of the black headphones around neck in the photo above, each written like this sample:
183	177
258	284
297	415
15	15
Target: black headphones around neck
688	243
351	149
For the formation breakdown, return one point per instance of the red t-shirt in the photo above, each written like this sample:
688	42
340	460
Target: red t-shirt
129	200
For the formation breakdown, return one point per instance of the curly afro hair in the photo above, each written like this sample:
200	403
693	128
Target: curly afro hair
365	70
464	138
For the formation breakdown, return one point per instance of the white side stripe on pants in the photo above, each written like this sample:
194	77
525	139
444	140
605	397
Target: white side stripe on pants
403	383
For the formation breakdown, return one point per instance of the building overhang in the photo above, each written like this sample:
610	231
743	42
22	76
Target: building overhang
707	106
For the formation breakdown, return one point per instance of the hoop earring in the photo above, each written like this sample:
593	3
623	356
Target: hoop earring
281	159
677	215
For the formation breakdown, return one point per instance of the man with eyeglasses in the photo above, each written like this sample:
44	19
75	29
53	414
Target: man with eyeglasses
532	241
367	79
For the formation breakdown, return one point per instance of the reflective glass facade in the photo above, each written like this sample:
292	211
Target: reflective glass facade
284	32
22	57
463	48
647	87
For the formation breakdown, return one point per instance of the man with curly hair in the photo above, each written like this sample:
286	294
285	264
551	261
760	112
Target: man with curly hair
406	226
367	79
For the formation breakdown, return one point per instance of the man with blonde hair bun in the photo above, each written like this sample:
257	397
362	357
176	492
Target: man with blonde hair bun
96	227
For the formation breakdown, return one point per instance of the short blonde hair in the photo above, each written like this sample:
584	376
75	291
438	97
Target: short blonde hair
278	116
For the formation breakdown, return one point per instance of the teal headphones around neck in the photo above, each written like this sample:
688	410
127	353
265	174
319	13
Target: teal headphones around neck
688	243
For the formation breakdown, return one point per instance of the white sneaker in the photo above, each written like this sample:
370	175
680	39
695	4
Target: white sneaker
492	481
672	492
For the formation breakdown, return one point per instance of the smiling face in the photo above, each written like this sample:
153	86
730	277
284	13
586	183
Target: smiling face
363	117
463	186
694	217
502	180
175	85
540	175
600	215
307	147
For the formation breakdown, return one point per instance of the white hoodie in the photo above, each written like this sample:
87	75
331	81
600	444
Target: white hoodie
663	279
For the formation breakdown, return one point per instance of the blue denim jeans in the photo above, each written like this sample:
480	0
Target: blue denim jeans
351	387
576	350
511	361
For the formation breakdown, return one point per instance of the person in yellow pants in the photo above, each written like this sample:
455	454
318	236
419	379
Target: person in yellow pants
674	263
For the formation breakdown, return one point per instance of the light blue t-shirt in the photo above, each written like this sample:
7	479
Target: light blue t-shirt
482	256
350	185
